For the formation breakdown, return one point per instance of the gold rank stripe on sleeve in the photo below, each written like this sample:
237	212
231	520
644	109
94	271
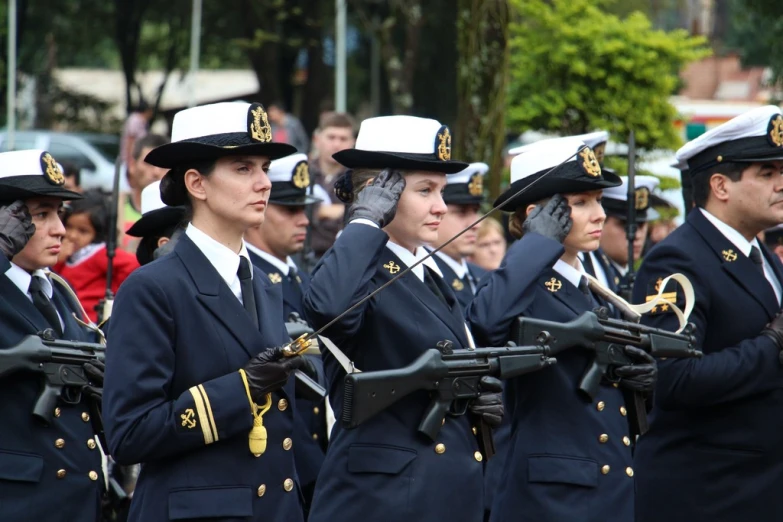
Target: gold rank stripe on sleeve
669	296
204	411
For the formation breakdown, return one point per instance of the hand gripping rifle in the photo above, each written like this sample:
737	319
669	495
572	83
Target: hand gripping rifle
59	362
607	338
451	376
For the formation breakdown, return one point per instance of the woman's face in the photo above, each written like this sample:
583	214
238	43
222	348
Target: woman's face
588	218
490	250
236	192
419	211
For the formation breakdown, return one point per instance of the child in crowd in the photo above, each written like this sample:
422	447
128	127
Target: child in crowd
83	258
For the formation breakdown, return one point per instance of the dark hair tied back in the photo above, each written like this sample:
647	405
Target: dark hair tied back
343	187
172	188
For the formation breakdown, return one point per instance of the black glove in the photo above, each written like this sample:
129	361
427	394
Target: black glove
308	367
16	228
378	200
552	220
774	330
268	371
489	405
94	371
642	374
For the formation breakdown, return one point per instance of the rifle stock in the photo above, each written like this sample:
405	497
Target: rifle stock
450	375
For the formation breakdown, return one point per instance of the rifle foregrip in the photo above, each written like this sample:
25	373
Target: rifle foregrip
433	417
46	403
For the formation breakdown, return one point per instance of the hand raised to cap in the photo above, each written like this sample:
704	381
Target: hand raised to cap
16	228
552	220
378	200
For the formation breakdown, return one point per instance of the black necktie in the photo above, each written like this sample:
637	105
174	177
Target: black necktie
429	280
45	305
584	286
755	256
292	277
246	283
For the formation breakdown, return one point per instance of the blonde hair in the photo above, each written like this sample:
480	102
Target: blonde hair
488	226
359	179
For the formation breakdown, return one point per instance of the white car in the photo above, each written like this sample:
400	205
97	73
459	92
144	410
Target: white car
93	154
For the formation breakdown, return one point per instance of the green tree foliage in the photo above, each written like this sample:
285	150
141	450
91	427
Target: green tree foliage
482	77
575	67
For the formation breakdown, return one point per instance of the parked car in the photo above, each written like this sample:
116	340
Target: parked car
93	154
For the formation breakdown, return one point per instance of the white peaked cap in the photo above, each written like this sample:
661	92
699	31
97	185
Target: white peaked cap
721	143
283	169
620	193
464	176
593	139
544	154
206	120
150	198
407	134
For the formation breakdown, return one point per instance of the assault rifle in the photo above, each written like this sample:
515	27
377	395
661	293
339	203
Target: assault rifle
607	338
60	362
452	376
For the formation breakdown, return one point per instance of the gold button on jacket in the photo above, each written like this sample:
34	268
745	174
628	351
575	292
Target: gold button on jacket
282	405
629	471
287	443
478	456
91	444
600	406
288	484
261	490
604	438
59	443
85	416
605	469
61	473
440	449
93	475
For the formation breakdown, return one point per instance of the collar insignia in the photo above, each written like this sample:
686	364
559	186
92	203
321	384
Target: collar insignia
553	285
729	255
275	278
457	285
392	267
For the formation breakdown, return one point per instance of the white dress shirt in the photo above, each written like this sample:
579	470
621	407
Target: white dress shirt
744	246
225	260
21	278
266	256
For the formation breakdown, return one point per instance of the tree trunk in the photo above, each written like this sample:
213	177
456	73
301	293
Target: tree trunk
482	77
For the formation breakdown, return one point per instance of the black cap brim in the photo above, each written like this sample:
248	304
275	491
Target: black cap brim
211	148
155	221
365	159
534	188
26	187
294	202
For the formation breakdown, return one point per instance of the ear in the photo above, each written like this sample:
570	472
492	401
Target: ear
719	186
529	209
162	241
194	183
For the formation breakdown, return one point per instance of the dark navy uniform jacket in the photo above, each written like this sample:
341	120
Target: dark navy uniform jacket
568	458
47	473
714	448
311	431
460	286
385	470
174	400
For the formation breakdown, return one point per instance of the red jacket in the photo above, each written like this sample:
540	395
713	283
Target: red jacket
86	272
